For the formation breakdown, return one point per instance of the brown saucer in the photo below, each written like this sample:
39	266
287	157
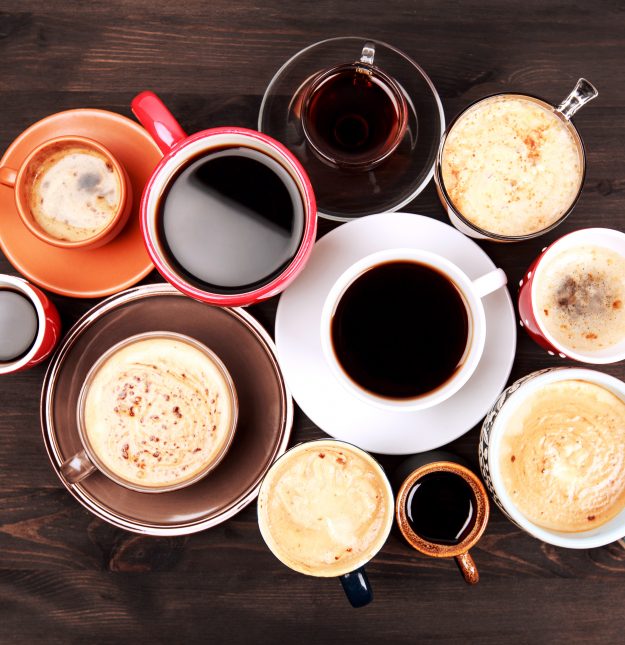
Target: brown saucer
265	408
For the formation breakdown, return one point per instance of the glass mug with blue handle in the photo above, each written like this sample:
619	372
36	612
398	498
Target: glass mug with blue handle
325	508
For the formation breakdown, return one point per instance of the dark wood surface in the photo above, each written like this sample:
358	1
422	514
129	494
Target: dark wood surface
67	577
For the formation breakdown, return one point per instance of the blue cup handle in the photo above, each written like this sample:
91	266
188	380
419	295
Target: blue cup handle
357	588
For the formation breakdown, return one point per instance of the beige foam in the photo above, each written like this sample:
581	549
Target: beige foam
510	166
75	193
157	412
562	456
323	508
581	298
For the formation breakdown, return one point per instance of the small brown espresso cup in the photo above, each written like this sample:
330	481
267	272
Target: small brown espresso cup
23	181
441	508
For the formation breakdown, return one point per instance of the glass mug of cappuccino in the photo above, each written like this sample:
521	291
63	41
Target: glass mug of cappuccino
552	454
325	508
354	115
511	166
404	329
572	297
156	412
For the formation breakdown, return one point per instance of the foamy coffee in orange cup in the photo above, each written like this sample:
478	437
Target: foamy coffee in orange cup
71	192
156	413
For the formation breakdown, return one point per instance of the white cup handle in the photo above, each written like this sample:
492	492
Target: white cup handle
489	282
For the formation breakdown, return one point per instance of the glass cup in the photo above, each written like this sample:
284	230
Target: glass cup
354	115
583	92
86	461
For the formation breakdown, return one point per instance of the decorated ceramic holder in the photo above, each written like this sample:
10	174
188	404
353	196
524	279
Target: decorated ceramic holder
582	93
404	479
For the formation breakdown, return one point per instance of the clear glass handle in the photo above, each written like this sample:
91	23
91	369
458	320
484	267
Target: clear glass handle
76	468
368	54
583	92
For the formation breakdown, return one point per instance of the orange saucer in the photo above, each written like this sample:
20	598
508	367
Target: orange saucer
73	272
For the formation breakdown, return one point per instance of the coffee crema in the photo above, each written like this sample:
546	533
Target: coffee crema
324	508
562	456
580	298
73	193
511	166
19	324
157	412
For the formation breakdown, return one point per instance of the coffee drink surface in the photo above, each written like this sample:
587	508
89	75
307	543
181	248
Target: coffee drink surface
562	456
581	298
511	166
74	193
18	325
324	508
157	412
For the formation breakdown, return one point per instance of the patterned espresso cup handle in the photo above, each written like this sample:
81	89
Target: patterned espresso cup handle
76	468
357	587
467	568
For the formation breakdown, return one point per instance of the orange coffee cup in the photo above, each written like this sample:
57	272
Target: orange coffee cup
21	180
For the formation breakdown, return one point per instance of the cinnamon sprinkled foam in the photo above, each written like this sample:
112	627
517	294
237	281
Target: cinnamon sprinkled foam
510	166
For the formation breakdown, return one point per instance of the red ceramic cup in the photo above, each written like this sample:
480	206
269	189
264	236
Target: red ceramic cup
179	149
48	325
532	319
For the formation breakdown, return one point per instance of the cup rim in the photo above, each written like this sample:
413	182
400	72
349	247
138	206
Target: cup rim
476	337
482	510
540	264
483	233
366	162
24	210
268	537
80	411
21	285
179	152
596	537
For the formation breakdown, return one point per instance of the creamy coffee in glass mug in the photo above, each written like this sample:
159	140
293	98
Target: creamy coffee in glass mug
156	413
511	166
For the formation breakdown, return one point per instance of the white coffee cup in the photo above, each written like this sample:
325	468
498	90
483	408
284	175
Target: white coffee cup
493	428
472	292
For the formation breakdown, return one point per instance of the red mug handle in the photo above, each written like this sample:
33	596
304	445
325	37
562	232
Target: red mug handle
157	120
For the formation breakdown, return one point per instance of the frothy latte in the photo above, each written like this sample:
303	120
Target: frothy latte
581	298
324	507
511	166
157	412
562	456
74	192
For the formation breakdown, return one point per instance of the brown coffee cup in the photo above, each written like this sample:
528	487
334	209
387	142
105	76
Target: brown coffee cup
477	522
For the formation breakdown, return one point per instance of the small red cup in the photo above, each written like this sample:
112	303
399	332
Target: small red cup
179	149
48	325
527	299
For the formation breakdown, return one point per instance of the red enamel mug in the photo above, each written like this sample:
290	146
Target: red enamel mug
572	297
45	319
180	150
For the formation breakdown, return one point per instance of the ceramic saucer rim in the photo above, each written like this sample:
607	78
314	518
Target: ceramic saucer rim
506	327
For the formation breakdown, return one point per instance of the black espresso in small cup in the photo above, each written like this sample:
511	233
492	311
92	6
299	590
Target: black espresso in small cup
231	220
354	115
18	325
401	329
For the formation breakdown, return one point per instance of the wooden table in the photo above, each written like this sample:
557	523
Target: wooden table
67	577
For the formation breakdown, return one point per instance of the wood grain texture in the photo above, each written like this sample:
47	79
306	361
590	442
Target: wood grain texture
66	577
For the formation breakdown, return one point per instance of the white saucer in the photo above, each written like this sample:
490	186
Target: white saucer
315	388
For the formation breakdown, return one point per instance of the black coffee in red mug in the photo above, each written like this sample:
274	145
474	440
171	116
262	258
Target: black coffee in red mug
354	116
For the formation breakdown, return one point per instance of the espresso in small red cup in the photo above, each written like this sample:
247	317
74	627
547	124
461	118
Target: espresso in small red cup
229	215
572	297
30	326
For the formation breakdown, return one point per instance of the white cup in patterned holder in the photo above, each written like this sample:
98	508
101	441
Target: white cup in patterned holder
496	421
